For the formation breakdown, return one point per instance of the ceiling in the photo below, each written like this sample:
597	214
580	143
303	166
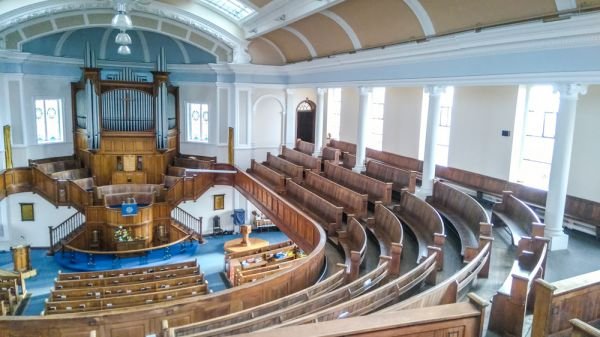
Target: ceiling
288	31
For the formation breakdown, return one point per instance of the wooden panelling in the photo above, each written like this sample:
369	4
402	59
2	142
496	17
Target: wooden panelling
376	189
289	169
302	159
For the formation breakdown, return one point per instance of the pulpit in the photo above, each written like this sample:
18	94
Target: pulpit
21	258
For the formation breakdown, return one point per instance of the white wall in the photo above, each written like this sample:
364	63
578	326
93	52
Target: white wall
203	207
205	94
584	177
479	114
35	232
349	115
402	120
268	121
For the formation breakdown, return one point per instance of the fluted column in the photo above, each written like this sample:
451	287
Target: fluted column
433	120
319	121
561	162
290	115
361	137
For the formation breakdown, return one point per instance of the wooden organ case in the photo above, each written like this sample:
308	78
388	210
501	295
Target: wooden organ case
123	142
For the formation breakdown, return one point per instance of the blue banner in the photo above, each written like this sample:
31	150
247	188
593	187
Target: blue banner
129	209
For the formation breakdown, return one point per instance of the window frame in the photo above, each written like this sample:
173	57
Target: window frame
337	114
188	121
61	119
371	118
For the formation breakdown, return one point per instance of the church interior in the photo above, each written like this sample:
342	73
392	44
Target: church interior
262	168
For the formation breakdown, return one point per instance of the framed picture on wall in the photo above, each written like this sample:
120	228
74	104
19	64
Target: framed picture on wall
27	212
218	201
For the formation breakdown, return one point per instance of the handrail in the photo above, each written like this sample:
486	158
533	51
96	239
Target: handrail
58	233
187	220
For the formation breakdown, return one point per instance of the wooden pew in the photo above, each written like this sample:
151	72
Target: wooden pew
354	242
342	146
465	319
233	255
192	163
395	160
583	329
57	166
304	147
269	177
558	303
289	169
509	305
72	174
376	190
353	202
125	279
124	290
331	154
302	159
399	178
387	228
517	217
466	215
257	260
122	272
326	213
63	307
424	222
245	276
292	312
348	160
324	287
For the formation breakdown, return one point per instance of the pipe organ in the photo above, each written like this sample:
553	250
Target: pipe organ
125	112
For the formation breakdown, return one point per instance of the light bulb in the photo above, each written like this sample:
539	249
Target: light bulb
124	50
121	21
123	38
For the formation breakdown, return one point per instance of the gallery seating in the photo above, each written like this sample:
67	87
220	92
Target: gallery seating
518	218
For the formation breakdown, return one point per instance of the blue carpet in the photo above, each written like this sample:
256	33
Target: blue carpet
209	255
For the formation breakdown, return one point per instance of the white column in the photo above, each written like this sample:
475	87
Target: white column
561	162
290	127
361	137
433	120
319	121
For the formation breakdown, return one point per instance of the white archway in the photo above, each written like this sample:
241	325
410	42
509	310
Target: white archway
267	128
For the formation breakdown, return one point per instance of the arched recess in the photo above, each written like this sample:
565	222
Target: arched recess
268	122
305	120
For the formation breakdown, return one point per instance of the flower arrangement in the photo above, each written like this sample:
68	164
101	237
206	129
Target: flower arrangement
122	234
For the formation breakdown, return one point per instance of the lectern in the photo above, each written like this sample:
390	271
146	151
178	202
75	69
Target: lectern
21	258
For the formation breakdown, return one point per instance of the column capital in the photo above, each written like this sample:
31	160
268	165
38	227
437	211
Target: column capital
570	90
435	90
321	91
289	91
362	90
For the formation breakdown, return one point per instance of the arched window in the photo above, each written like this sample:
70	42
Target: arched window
305	120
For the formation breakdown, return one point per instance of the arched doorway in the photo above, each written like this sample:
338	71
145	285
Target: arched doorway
305	120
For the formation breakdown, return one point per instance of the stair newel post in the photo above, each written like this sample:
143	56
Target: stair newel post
51	250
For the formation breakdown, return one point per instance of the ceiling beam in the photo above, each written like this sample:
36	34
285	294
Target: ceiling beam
280	13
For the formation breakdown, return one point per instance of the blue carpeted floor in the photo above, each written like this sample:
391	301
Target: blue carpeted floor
209	255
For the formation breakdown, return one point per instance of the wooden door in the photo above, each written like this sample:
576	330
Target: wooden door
305	121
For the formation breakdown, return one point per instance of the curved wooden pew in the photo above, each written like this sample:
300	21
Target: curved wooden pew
466	215
122	272
354	242
289	169
304	147
376	190
327	214
399	178
578	299
583	329
424	222
519	218
338	297
271	178
352	202
387	229
302	159
326	286
514	296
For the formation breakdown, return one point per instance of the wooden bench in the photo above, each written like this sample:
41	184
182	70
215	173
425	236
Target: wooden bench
72	174
170	181
466	215
395	160
271	178
243	276
517	217
387	228
63	307
86	184
342	146
424	222
331	154
348	160
510	303
376	190
289	169
123	290
304	147
399	178
270	247
302	159
583	329
354	243
249	261
575	298
326	213
57	166
352	202
122	272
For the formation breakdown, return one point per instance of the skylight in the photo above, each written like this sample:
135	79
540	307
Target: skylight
234	8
